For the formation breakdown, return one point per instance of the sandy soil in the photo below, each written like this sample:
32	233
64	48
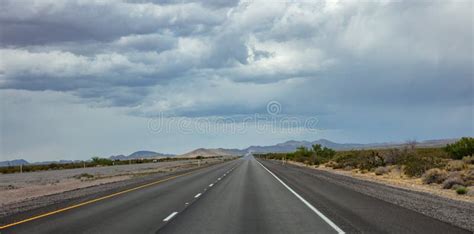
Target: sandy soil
15	188
396	179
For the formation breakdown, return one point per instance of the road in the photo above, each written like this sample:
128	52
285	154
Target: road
240	196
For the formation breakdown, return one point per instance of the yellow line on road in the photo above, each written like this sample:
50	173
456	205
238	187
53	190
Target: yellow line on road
91	201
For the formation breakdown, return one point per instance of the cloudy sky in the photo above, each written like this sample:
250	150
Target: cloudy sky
89	77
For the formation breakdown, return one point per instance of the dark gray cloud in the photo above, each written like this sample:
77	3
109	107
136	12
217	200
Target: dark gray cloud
46	22
225	57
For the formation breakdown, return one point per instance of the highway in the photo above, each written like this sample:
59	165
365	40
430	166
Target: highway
241	196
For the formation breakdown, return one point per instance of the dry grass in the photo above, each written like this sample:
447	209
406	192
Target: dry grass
434	175
455	165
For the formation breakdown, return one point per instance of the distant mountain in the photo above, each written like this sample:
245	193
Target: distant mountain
291	146
437	143
140	154
212	153
288	146
57	162
15	162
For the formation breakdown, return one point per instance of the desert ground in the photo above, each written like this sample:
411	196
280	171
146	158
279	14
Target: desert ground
15	188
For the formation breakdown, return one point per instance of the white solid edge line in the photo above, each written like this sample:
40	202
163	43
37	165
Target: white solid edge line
333	225
170	216
197	195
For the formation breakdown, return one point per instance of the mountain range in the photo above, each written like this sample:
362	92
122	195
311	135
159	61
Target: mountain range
212	152
141	154
135	155
15	162
288	146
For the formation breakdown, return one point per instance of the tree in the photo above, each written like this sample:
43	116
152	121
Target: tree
101	161
461	148
321	154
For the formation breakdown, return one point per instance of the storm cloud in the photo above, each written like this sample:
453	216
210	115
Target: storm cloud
351	64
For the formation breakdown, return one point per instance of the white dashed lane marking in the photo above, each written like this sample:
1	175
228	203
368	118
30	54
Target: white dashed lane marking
170	216
196	196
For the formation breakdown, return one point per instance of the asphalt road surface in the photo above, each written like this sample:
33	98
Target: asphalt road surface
240	196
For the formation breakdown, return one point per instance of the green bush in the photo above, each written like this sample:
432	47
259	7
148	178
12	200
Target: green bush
461	148
416	165
321	154
461	190
362	159
312	156
103	161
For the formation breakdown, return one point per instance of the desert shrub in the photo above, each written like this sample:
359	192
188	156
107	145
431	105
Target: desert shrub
468	177
453	174
455	165
453	179
333	165
102	161
321	154
382	170
392	156
433	152
470	191
83	175
434	175
461	190
362	159
461	148
347	159
416	165
468	159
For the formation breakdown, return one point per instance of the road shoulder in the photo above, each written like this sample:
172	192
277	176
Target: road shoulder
455	212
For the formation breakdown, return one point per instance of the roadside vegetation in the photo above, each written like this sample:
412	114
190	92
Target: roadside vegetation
94	162
451	167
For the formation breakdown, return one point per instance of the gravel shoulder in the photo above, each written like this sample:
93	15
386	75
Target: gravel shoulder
457	212
30	191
